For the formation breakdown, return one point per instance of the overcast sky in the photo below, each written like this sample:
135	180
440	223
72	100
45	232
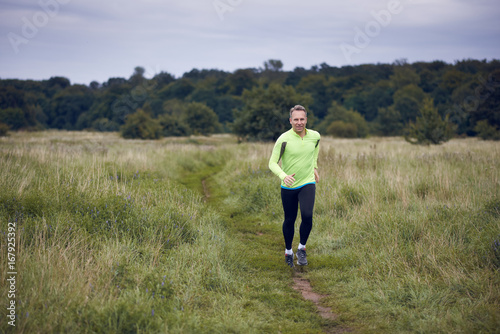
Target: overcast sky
87	40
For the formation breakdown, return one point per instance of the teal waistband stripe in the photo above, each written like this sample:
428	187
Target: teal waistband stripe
283	187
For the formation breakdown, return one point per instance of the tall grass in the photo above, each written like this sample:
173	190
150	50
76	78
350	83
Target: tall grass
405	238
109	241
115	236
421	234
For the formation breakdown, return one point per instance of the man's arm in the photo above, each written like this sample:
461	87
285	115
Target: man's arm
316	154
273	161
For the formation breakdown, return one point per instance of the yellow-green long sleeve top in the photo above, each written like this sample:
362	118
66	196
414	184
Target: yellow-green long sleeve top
300	157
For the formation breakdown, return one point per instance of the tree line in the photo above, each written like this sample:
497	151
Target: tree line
460	99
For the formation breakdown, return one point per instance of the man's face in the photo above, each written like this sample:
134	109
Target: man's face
298	121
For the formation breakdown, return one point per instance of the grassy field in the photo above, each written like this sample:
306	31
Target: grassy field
184	236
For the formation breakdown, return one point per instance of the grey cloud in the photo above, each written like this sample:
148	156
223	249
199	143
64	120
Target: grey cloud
95	40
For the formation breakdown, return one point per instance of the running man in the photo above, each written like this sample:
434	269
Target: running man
298	150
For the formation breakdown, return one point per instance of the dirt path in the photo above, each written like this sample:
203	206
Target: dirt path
206	191
303	286
300	283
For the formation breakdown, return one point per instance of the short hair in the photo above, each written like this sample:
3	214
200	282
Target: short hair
297	107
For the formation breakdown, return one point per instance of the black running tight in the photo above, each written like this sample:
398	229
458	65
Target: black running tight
291	199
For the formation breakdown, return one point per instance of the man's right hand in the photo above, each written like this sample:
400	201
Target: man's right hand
289	180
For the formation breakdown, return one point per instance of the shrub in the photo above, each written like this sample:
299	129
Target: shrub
201	118
140	125
4	130
342	129
13	117
429	128
486	131
173	126
105	125
342	122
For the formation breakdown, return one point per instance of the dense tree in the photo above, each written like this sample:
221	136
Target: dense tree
67	105
316	86
36	119
370	99
58	83
163	79
388	122
13	117
174	107
404	76
386	96
225	106
94	85
156	105
407	101
485	103
273	65
205	92
428	81
22	108
195	75
138	77
451	80
294	77
116	82
377	96
11	97
471	66
272	72
266	112
178	89
241	80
